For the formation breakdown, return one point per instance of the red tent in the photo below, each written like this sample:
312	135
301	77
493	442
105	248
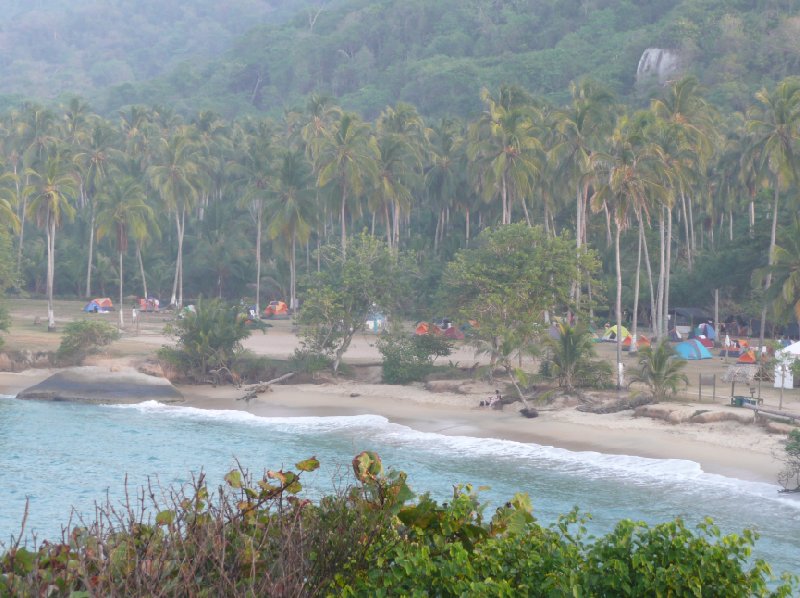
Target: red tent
454	333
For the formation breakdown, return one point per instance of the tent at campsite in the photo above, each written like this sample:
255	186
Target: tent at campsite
100	305
642	342
276	309
610	335
785	359
692	349
454	333
426	328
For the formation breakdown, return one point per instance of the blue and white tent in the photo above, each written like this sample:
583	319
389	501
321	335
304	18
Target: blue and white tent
692	349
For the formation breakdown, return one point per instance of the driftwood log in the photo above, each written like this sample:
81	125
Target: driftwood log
251	392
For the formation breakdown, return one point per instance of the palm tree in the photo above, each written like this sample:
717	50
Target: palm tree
92	160
346	159
397	163
580	126
785	292
444	174
255	170
51	188
7	199
660	369
774	124
123	210
291	209
571	354
626	176
505	150
176	177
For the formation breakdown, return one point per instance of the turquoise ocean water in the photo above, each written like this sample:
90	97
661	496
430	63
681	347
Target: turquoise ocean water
59	455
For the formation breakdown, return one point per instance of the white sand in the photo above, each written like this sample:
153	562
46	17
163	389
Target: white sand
744	451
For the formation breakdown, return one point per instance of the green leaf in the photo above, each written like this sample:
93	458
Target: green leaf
165	518
308	465
234	478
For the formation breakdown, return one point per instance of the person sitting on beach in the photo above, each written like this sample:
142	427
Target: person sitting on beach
493	401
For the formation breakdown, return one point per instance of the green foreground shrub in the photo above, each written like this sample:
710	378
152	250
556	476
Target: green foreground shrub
82	338
259	538
410	358
207	339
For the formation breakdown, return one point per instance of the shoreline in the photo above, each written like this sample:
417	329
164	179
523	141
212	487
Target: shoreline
740	451
715	447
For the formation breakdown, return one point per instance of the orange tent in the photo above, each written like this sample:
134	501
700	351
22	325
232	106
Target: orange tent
276	308
642	342
425	328
748	356
104	302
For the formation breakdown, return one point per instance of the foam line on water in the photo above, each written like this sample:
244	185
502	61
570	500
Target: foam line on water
667	473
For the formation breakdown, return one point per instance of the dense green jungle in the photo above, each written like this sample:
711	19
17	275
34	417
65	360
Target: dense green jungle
422	123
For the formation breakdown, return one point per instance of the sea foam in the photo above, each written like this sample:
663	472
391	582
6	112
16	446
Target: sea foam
675	474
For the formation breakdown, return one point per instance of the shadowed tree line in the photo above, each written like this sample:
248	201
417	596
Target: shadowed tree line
235	209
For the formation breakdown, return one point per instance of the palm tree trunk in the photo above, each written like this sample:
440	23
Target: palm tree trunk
120	309
686	232
466	228
292	274
668	264
650	280
578	213
258	258
387	223
506	212
660	316
618	304
180	249
141	268
396	229
51	234
527	216
635	324
174	297
344	223
88	292
23	210
768	281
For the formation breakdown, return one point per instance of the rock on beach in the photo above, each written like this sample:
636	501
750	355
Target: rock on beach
96	384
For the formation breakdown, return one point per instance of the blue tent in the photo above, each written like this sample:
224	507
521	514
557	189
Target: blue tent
692	349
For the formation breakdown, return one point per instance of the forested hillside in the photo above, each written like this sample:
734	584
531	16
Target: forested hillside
438	55
54	47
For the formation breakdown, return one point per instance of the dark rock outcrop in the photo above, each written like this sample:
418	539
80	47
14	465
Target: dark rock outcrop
94	384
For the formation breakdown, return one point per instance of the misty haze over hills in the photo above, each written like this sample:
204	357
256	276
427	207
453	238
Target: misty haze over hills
50	48
263	56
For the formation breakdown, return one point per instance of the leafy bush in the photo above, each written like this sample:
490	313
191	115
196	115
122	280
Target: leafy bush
250	367
82	338
409	359
573	360
789	477
259	538
660	369
306	361
208	338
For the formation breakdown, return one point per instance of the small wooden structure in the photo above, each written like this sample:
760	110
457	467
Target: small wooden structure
741	373
707	379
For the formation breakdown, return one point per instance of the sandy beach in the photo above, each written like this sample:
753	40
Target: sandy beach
740	450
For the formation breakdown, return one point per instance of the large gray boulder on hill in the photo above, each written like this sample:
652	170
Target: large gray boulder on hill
94	384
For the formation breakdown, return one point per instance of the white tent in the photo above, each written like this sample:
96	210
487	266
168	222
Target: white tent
783	366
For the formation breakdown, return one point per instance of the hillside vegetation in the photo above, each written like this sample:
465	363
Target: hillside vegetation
53	47
438	55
